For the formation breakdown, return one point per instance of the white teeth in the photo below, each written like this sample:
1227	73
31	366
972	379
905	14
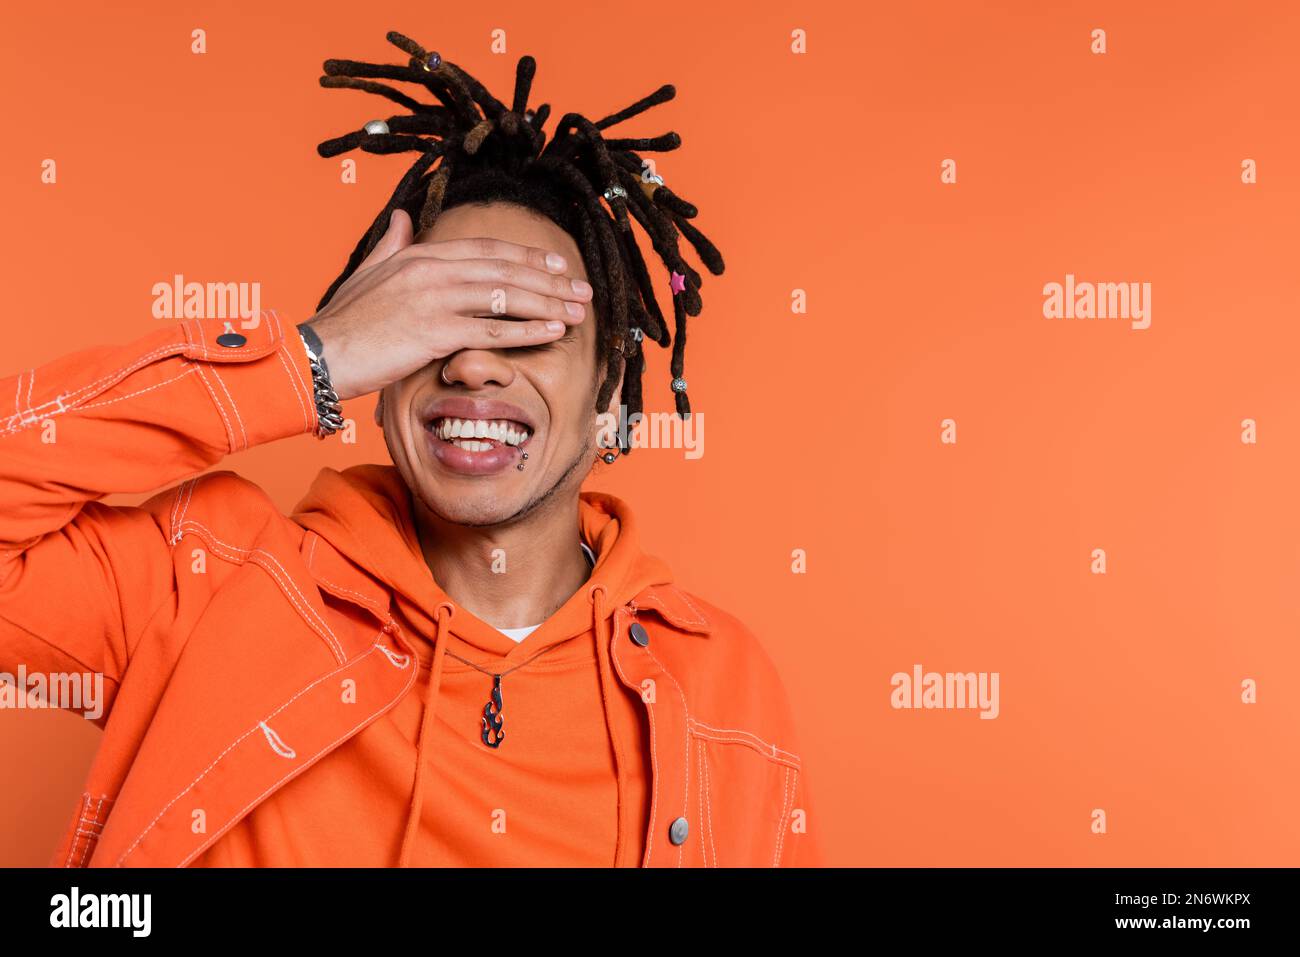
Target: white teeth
468	430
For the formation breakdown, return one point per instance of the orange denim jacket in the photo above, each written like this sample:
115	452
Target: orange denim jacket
85	587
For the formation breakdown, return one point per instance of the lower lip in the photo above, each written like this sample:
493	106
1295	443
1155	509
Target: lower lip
496	459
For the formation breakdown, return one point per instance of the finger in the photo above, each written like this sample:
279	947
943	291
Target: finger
395	238
487	247
493	300
499	333
507	274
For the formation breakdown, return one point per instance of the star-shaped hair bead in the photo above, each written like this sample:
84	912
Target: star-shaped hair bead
678	282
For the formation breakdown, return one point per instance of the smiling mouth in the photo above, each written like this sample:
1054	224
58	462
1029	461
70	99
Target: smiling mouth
479	435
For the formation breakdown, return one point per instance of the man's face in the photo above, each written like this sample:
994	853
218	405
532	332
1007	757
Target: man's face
544	392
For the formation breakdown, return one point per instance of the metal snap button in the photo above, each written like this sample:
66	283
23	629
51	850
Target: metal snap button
638	634
231	340
678	830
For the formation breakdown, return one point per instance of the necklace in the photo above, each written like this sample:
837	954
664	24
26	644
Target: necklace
493	722
492	732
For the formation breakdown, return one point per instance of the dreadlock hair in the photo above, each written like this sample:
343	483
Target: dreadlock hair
491	152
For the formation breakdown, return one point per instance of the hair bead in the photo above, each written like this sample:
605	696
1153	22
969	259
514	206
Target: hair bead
486	150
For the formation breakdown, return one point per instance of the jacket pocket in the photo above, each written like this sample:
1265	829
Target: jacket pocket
745	794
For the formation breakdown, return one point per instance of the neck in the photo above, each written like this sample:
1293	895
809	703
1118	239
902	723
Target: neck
510	576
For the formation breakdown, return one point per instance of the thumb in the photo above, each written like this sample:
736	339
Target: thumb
398	235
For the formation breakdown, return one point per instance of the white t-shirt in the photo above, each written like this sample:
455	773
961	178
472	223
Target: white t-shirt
519	634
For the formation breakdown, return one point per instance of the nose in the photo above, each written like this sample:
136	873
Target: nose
476	369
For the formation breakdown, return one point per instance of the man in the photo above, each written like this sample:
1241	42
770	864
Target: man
457	660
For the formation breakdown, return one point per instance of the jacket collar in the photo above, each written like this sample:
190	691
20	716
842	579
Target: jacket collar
675	607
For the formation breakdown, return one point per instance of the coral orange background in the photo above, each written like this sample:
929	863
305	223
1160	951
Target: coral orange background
819	172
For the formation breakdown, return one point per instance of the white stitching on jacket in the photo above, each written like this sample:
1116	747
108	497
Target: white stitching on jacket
234	407
787	805
72	845
61	408
240	813
16	422
85	850
276	742
293	382
663	603
233	745
398	661
230	431
708	794
687	598
313	619
300	388
686	803
772	749
131	395
774	758
654	763
706	808
189	497
176	503
365	600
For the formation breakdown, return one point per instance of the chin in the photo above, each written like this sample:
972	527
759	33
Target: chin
477	506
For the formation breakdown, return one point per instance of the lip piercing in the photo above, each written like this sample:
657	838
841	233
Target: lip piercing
520	466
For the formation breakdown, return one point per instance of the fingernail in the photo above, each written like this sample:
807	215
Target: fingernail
580	287
575	309
555	262
555	326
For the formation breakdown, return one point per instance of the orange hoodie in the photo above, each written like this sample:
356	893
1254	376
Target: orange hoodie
264	700
483	806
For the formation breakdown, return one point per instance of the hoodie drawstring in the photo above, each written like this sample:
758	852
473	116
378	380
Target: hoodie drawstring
600	623
426	722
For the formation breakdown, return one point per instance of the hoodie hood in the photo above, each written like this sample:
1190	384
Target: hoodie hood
365	514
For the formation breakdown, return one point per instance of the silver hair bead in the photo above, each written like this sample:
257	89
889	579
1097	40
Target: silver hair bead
376	126
615	190
679	385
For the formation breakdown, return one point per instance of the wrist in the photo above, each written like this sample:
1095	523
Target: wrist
329	411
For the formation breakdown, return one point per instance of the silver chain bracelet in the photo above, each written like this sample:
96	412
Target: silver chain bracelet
329	410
